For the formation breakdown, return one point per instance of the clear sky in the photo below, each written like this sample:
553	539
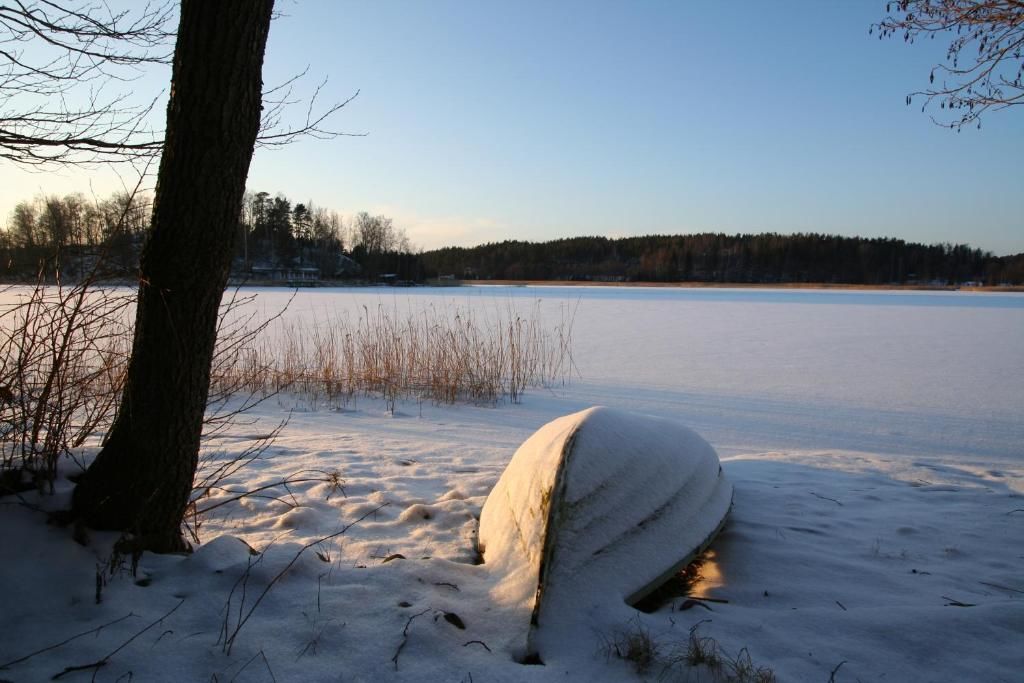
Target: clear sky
536	120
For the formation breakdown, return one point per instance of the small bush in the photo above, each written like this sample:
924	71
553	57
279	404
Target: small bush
63	355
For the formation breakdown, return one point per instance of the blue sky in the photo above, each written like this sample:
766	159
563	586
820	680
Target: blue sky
536	120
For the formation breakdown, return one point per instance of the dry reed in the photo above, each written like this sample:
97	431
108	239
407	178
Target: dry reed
438	355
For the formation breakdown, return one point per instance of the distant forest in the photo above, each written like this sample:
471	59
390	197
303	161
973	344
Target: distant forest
279	239
715	257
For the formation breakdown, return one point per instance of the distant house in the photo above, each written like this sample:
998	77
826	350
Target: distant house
297	272
303	275
347	267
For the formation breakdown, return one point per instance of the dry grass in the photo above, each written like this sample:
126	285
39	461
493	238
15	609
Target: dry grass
704	651
635	645
437	355
676	662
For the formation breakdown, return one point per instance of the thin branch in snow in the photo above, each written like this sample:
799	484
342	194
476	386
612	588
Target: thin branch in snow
405	636
229	640
95	666
65	642
957	603
251	660
825	498
1002	588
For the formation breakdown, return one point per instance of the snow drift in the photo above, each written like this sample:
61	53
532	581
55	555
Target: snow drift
596	508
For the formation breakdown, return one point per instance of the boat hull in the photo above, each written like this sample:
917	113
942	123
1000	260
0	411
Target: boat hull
597	507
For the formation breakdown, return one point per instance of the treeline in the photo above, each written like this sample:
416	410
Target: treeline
715	257
72	232
279	235
277	239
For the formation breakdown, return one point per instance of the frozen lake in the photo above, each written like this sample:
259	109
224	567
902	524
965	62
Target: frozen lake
897	372
900	372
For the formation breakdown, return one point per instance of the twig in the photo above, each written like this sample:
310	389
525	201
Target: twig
251	659
957	603
448	584
106	659
832	676
476	642
405	636
65	642
825	498
1002	588
254	492
841	605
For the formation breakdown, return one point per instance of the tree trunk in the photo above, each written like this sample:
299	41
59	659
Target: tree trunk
141	480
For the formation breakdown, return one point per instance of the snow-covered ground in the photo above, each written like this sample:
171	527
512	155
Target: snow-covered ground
875	441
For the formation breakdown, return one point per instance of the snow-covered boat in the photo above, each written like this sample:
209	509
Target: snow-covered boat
596	508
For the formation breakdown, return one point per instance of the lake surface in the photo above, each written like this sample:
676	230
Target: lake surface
959	350
888	371
971	299
907	372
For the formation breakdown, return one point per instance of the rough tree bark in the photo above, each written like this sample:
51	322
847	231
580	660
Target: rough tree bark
141	480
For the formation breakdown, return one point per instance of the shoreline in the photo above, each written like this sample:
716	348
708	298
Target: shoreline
739	285
993	289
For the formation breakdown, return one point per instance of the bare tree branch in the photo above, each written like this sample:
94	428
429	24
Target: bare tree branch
58	62
61	61
276	102
984	66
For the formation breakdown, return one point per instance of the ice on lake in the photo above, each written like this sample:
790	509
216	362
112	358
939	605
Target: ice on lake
903	371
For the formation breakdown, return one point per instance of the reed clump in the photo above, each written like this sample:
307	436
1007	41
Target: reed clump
442	355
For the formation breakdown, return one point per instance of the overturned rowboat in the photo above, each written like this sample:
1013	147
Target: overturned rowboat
596	508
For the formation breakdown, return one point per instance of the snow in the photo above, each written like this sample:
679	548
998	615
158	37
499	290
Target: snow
873	440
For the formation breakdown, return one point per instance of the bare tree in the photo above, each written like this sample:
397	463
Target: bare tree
141	479
984	66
